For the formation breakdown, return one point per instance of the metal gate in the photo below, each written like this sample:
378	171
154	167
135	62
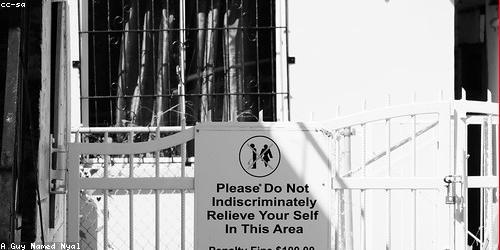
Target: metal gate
130	195
399	181
411	191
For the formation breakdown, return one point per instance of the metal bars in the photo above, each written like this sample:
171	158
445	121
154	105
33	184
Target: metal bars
436	130
446	228
133	184
116	58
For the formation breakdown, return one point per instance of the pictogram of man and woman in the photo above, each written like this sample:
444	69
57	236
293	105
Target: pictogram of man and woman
265	156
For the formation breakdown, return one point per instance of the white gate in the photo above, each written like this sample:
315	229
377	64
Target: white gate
400	181
105	203
400	177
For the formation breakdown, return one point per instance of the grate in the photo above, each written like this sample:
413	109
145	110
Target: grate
227	53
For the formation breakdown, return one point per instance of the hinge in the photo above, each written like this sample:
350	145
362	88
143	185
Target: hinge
57	173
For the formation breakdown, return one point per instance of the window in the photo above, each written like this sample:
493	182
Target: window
230	55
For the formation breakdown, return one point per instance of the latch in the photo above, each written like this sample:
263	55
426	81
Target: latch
451	188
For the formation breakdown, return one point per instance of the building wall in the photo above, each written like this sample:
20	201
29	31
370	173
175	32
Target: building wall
492	48
351	50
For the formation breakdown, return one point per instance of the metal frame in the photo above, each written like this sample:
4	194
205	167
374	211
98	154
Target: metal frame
342	183
451	127
452	134
156	183
279	42
484	114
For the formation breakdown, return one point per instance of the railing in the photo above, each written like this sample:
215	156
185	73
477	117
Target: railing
421	144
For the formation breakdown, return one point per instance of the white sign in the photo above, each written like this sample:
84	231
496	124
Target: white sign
261	186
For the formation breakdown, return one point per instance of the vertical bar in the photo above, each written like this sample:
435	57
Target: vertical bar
489	191
279	62
105	202
482	191
443	214
225	62
94	68
182	24
459	225
257	51
73	203
84	55
272	22
287	64
464	155
241	83
131	194
346	240
389	169
157	194
487	194
338	198
363	191
414	174
156	99
109	61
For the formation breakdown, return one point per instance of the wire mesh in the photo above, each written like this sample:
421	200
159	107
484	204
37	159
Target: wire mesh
92	211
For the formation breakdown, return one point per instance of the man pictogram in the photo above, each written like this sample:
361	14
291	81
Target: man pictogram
254	156
266	155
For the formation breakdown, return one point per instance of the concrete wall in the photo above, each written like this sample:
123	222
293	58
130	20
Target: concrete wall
350	50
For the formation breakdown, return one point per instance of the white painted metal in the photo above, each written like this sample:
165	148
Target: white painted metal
105	213
126	129
453	117
133	185
384	183
131	194
450	130
155	183
390	183
388	244
363	191
157	194
135	148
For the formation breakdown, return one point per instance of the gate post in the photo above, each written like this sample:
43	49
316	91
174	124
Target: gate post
460	168
345	240
447	212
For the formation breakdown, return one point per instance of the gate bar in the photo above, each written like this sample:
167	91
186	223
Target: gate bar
105	193
383	183
489	172
182	102
157	192
131	194
363	191
389	193
414	174
160	183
